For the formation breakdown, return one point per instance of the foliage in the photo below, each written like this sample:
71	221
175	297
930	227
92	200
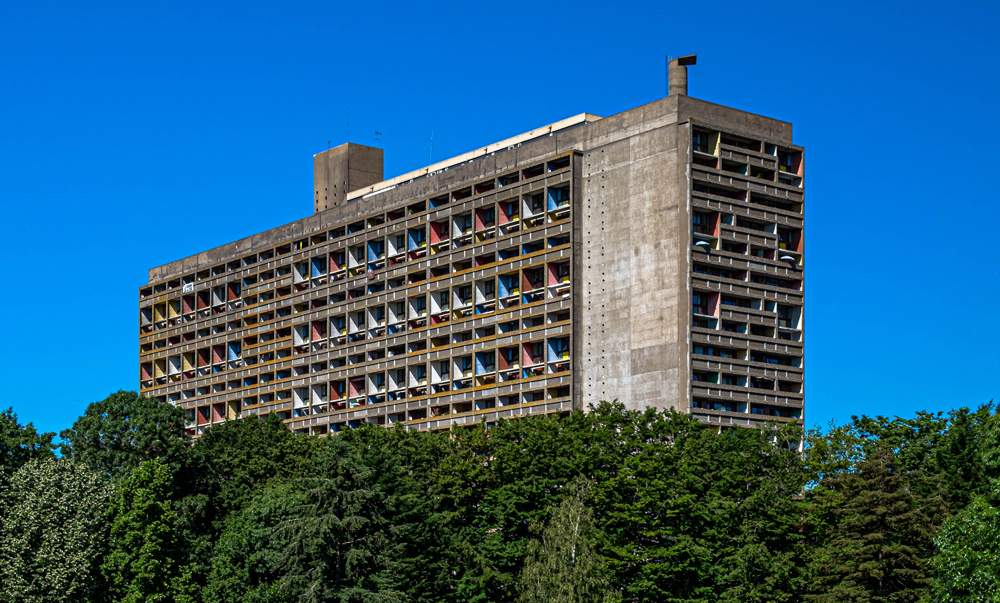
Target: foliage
565	567
141	566
881	538
53	532
315	539
948	446
21	443
682	526
968	557
115	435
604	505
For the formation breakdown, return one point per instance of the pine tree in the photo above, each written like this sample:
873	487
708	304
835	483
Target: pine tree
878	546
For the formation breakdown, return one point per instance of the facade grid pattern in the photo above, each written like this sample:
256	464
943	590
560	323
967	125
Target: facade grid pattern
449	309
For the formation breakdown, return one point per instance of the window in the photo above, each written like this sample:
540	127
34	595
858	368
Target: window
699	140
699	223
699	303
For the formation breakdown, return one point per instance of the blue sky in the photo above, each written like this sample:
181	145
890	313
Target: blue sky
133	134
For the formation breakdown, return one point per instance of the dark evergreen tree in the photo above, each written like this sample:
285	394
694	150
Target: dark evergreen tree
958	458
879	544
321	538
224	469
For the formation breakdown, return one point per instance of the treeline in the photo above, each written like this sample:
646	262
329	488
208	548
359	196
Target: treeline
610	505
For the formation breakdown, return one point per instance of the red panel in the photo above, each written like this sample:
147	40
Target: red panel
318	330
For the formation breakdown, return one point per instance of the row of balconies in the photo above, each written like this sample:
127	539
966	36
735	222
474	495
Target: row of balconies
183	310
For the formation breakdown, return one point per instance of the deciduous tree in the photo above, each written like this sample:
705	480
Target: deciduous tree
53	533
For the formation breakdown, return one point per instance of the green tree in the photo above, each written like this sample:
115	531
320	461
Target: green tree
958	456
52	533
320	538
115	435
968	558
565	567
504	482
881	539
695	515
223	470
409	469
21	443
757	479
234	460
931	444
141	566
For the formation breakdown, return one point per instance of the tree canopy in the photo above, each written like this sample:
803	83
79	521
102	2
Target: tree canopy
607	505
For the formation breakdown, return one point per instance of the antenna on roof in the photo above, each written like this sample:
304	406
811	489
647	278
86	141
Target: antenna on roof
430	159
666	76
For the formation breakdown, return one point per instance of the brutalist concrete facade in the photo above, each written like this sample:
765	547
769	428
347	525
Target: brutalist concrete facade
653	257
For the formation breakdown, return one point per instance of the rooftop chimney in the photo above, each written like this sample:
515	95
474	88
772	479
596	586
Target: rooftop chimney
677	74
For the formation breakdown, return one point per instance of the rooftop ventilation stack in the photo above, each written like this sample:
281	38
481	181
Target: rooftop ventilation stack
677	74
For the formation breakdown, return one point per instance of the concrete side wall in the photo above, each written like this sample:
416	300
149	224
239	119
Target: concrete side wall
631	273
734	120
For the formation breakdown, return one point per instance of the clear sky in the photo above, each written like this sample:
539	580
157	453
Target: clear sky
136	133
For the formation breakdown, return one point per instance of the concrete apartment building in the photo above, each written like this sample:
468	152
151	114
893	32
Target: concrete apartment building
654	257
